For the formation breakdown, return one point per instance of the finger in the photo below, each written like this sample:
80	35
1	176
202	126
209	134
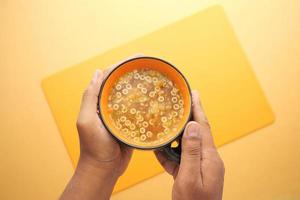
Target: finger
127	152
170	166
212	166
108	70
126	149
190	165
200	117
90	96
198	112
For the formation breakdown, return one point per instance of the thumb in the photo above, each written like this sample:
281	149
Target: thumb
191	151
90	96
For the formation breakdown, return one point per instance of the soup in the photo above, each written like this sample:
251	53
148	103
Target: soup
145	106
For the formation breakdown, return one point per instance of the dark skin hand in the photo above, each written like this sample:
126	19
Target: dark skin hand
103	160
200	174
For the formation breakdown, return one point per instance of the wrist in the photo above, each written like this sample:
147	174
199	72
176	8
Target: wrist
90	182
94	179
92	167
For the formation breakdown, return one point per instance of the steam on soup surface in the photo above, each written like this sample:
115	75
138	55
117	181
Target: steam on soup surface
146	107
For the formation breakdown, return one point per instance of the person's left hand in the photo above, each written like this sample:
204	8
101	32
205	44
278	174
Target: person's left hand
102	159
97	147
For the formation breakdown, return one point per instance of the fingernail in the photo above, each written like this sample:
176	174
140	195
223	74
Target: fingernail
96	75
193	130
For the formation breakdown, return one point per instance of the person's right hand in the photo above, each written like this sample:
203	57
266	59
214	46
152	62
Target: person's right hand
200	174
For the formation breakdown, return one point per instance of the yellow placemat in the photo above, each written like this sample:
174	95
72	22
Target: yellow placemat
205	49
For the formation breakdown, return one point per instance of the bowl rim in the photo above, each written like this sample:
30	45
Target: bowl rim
100	114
